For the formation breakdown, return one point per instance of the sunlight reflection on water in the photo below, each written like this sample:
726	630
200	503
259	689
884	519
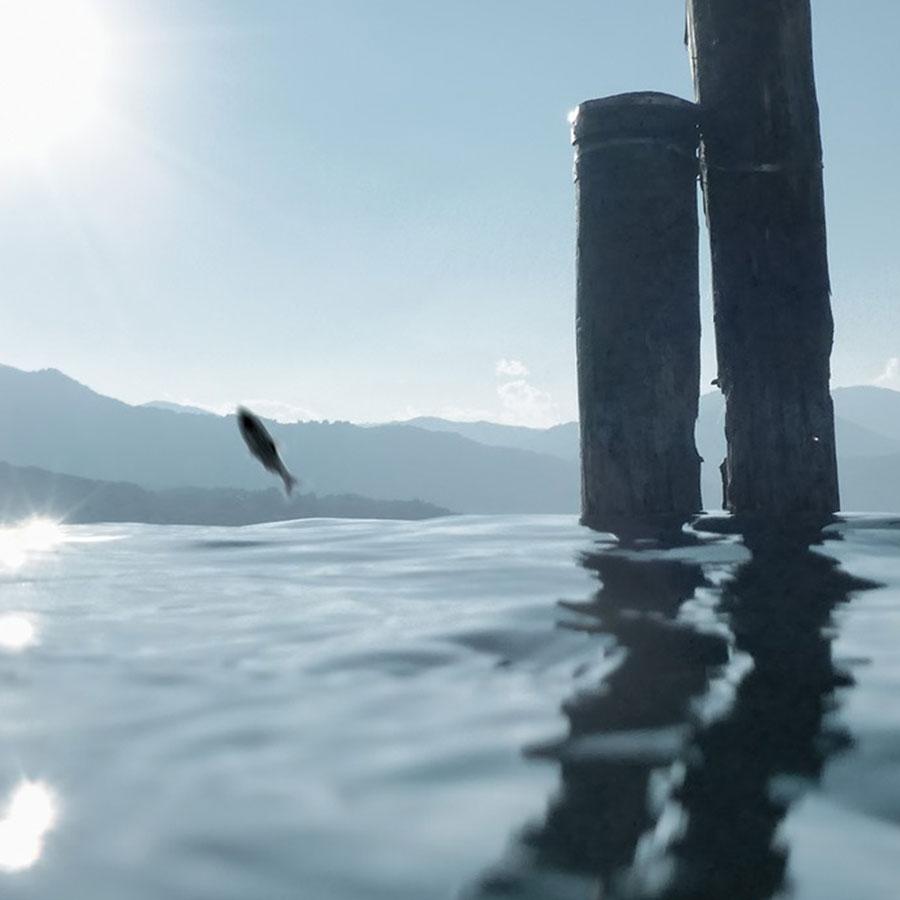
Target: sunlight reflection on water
36	535
17	632
31	813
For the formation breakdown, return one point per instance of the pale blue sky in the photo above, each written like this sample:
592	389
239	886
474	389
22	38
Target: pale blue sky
356	208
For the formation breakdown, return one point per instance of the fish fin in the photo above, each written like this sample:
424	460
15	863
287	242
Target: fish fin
289	482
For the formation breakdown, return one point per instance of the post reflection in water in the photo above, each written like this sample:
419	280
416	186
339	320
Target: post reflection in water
780	606
656	800
602	811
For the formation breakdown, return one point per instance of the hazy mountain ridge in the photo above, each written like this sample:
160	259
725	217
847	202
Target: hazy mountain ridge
860	425
859	439
177	407
57	424
867	426
559	440
28	491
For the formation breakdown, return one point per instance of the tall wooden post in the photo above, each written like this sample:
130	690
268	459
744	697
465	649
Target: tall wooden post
638	320
762	179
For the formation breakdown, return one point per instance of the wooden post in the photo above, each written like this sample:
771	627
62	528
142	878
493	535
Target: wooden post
638	319
762	180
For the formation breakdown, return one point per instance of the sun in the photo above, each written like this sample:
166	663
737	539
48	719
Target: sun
53	65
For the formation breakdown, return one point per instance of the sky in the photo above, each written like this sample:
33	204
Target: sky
364	209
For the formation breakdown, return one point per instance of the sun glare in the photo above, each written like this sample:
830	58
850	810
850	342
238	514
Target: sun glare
17	632
34	535
30	815
41	534
53	61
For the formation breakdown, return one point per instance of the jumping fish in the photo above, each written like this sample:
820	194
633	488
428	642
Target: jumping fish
261	445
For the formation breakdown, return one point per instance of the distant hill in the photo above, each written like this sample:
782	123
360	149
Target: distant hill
560	440
875	408
867	425
59	425
857	440
177	407
55	423
30	491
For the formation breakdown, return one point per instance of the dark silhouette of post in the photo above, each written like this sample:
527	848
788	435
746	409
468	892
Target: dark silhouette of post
762	179
638	319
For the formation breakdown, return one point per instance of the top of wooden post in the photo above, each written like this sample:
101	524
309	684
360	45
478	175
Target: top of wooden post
639	116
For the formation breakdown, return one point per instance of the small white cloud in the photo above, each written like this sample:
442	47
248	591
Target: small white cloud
890	377
524	404
513	368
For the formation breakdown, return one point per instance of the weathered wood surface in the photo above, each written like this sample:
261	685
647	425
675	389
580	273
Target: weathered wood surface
763	192
638	321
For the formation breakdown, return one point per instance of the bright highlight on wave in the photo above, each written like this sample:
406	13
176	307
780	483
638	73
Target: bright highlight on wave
53	62
17	631
31	813
32	536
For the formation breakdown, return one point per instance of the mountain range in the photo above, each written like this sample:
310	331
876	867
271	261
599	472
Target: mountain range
54	423
867	426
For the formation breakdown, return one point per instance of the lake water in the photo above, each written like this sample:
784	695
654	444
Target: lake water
473	707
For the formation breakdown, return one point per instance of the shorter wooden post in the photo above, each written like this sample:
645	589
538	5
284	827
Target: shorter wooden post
638	306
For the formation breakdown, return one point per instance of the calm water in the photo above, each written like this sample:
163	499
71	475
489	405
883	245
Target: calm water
471	707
